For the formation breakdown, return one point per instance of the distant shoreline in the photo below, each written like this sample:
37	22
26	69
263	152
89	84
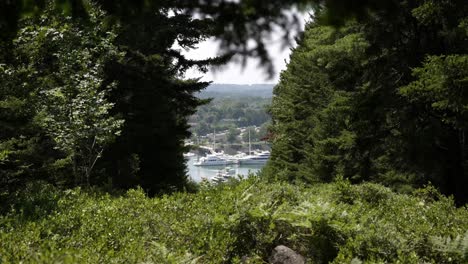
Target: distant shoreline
248	90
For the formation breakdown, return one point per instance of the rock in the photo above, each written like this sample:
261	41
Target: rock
284	255
245	260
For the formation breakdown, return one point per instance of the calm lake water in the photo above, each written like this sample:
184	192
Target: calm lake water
196	172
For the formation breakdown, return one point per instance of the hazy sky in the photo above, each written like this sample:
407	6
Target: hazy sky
233	72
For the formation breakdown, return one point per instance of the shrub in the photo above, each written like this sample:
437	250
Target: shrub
338	223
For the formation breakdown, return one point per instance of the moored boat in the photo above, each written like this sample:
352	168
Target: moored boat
189	155
257	158
212	160
224	175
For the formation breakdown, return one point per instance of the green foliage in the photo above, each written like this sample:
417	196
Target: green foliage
88	101
246	19
311	110
380	100
26	152
67	76
457	245
152	99
222	113
439	88
250	134
232	134
226	223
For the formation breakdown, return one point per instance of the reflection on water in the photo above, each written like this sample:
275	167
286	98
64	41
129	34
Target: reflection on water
197	172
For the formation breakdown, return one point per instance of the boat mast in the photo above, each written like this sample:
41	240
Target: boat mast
214	139
250	147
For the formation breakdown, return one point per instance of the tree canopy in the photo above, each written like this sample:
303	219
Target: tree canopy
377	100
105	99
94	89
234	23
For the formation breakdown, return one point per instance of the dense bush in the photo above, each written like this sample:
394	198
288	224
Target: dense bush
338	223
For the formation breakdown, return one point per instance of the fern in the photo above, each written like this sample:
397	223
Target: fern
457	246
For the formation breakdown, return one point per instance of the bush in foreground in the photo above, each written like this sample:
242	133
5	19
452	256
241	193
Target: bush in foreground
338	223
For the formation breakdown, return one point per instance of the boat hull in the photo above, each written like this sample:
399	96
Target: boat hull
252	162
211	163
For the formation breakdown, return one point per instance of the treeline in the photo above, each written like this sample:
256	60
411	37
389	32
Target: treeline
232	112
88	101
92	91
91	94
218	90
381	99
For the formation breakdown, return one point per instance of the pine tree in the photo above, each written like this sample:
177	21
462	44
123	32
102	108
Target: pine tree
385	105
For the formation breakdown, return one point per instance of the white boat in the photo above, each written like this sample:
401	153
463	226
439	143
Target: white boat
257	158
231	159
189	155
228	171
212	160
218	179
224	175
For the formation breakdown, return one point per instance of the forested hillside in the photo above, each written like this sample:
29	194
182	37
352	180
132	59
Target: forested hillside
379	100
232	107
216	90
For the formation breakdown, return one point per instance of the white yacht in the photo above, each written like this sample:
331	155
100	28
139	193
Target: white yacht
257	158
212	160
226	172
224	175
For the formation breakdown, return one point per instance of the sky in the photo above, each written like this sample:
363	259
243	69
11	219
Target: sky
234	73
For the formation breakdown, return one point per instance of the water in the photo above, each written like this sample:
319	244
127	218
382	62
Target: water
208	172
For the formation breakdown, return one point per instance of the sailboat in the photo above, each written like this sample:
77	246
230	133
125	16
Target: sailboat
215	158
254	158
